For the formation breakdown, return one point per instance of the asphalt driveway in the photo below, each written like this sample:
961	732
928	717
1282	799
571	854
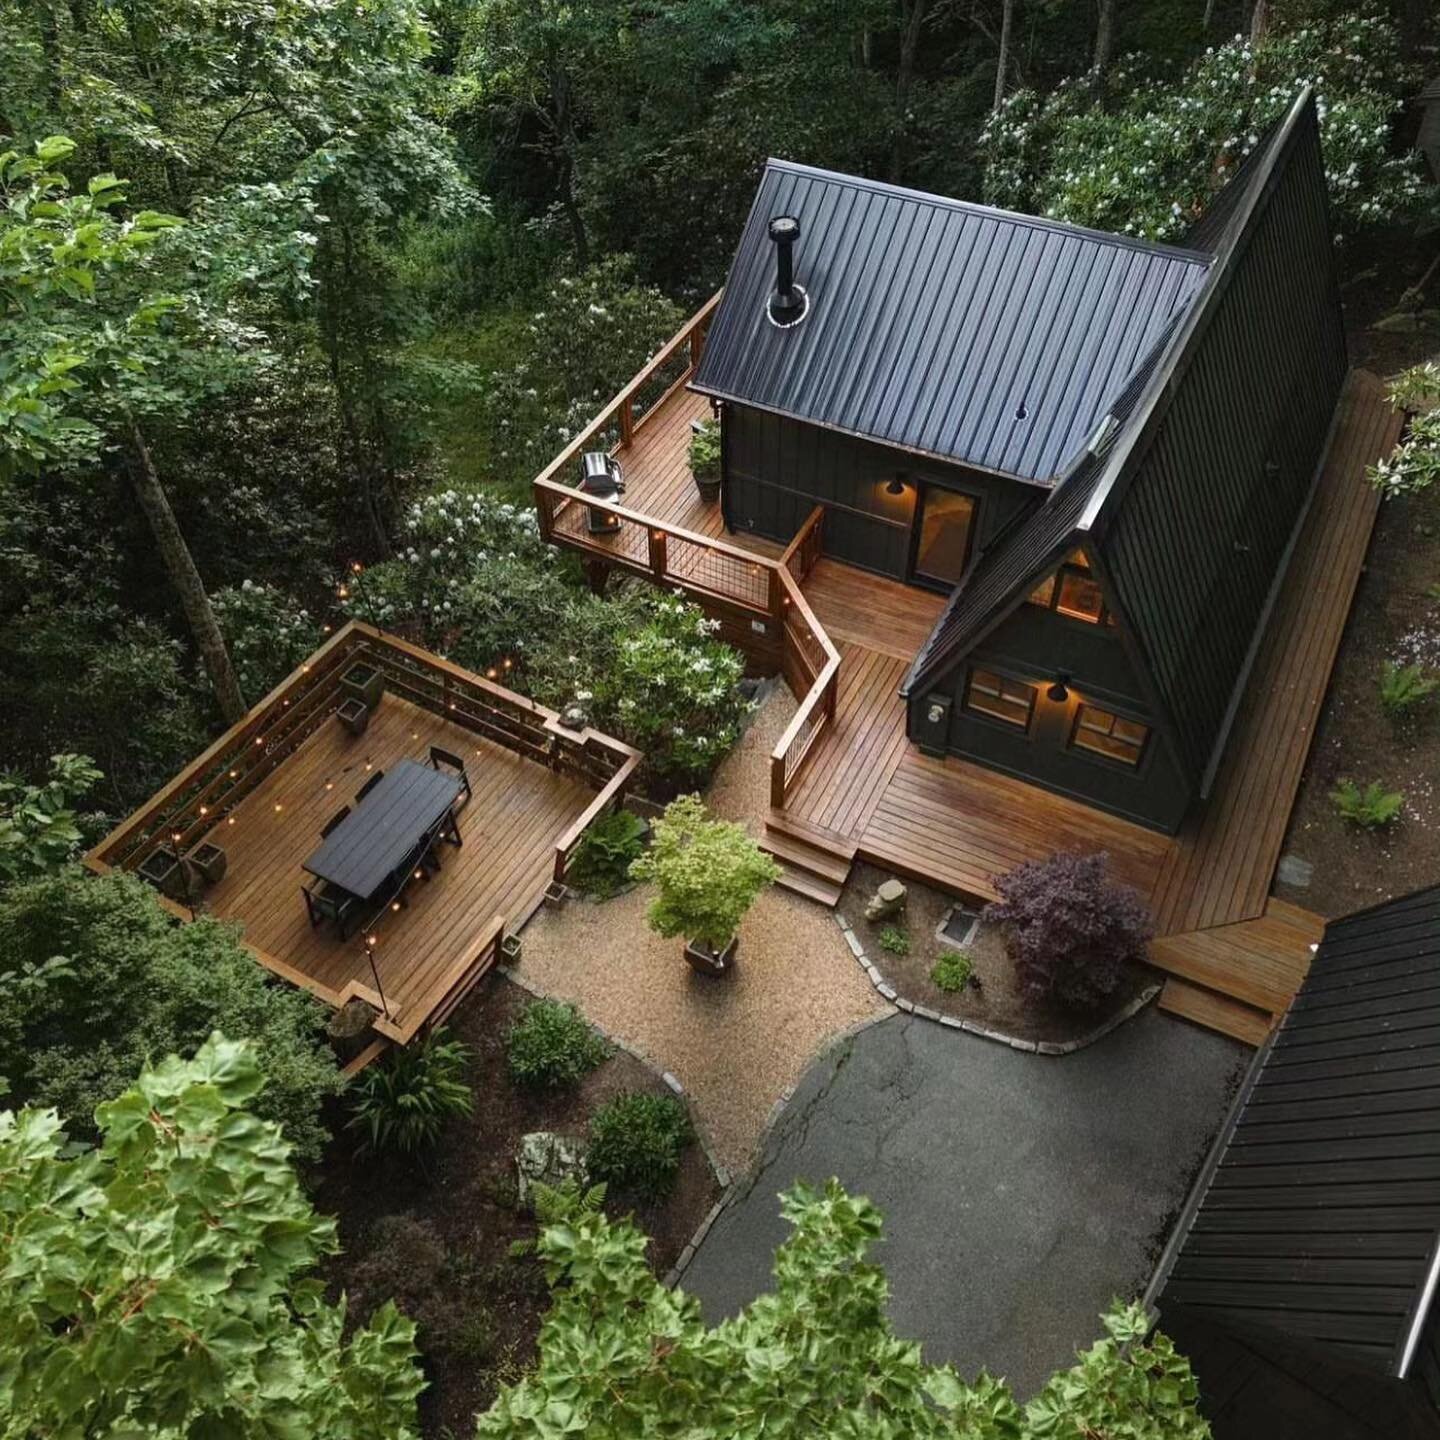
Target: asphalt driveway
1020	1192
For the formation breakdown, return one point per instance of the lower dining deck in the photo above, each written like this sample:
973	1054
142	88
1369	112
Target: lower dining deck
1234	954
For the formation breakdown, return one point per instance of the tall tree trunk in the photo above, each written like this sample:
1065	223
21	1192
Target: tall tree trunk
1002	64
912	20
180	565
1104	41
1208	17
54	65
1259	21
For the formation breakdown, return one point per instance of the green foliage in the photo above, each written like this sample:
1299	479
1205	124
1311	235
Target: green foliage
636	1143
1144	158
1404	689
1372	807
951	971
1414	464
268	634
708	874
815	1356
551	1046
601	863
160	1285
38	832
894	941
705	451
561	1204
402	1104
1416	388
134	986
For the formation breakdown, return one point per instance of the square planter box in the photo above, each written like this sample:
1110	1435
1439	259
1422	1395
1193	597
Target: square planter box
349	1029
510	949
354	715
364	682
209	862
709	962
167	874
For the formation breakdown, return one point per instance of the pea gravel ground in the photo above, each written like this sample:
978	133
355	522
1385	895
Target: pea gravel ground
736	1044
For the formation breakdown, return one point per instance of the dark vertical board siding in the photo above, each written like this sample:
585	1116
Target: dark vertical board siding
1203	527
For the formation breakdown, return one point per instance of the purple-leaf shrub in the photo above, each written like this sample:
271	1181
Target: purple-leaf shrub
1068	929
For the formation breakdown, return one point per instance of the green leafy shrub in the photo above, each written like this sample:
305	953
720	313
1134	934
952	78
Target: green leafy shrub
1372	807
1069	931
405	1260
136	985
1414	464
894	941
38	832
705	451
951	972
636	1142
268	633
185	1234
1405	688
825	1334
402	1103
551	1046
601	863
708	874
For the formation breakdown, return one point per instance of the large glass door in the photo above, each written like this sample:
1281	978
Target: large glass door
944	532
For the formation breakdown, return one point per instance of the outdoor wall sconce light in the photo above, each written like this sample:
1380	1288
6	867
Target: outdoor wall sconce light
1059	692
896	486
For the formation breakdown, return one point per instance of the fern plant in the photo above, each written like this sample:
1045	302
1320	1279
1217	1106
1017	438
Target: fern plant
402	1104
567	1203
1404	688
1371	808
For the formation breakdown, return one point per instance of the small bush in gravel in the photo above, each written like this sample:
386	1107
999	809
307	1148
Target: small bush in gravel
636	1142
1069	931
894	941
951	972
551	1046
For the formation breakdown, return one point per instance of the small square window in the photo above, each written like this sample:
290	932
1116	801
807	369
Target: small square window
1080	596
1000	698
1105	733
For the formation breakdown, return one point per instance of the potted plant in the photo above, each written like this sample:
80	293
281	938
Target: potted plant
705	457
209	861
349	1029
163	868
354	715
708	873
364	682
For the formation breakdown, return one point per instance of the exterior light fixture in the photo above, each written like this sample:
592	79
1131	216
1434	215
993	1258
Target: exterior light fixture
1059	692
896	486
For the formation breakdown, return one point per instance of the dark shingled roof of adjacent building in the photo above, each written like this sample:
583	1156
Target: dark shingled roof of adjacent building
988	339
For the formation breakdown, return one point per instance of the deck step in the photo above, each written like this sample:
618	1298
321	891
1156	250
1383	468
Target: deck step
799	855
1215	1011
812	887
834	842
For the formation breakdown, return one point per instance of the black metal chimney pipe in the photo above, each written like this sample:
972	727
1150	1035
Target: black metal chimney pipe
787	303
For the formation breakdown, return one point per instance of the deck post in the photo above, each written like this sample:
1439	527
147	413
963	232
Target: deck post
777	782
658	553
777	599
627	423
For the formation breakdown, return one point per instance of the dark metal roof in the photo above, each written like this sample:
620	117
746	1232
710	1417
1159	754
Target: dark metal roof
932	324
1318	1215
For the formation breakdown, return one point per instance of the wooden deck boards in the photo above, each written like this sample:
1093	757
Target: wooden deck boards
510	826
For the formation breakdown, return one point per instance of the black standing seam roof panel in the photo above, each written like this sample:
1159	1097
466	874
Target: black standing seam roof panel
931	322
1318	1217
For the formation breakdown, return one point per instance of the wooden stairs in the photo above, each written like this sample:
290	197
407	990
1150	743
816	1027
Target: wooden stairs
814	862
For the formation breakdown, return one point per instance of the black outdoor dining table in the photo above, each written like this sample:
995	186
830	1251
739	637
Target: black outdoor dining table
376	838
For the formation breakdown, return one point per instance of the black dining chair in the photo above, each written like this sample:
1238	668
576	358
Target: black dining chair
324	901
439	757
369	785
334	821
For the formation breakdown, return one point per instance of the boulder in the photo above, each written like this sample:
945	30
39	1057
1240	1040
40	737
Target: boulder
887	902
548	1159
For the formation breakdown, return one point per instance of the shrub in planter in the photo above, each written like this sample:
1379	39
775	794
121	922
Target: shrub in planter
1371	808
551	1046
705	455
402	1103
636	1142
601	863
708	874
1069	931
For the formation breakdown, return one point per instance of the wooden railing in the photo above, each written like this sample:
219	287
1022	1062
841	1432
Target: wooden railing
757	600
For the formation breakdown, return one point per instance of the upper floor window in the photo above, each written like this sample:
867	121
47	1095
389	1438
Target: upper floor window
1073	591
1000	698
1108	734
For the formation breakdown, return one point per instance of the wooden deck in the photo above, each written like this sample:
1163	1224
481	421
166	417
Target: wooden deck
263	791
508	827
1234	954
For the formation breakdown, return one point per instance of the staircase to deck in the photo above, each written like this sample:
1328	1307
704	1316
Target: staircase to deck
813	861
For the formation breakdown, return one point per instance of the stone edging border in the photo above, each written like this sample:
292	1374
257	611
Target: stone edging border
973	1027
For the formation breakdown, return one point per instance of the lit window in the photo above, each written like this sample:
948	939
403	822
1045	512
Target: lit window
1002	699
1110	735
1073	592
